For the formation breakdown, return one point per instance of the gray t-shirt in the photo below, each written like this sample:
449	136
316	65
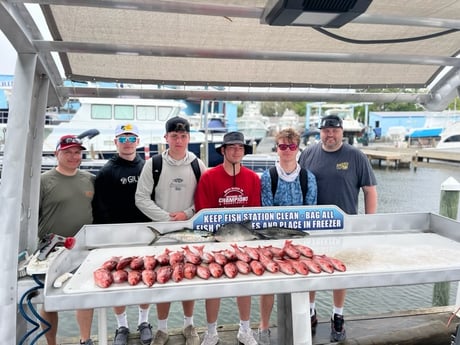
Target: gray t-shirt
65	202
339	175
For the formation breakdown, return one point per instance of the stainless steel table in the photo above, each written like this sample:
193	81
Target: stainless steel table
378	250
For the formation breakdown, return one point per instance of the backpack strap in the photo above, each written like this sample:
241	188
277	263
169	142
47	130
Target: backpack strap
303	177
196	169
157	164
274	179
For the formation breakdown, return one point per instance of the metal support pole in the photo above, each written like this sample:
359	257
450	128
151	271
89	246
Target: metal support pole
21	167
301	331
283	301
205	154
307	117
294	319
102	326
448	207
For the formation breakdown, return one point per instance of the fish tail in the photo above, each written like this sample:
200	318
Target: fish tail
156	234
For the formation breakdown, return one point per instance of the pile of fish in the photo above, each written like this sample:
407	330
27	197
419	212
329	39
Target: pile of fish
193	261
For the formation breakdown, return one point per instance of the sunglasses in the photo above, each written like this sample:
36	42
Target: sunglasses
70	141
123	140
67	141
330	123
284	147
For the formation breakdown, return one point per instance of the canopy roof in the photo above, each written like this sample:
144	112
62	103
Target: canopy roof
196	43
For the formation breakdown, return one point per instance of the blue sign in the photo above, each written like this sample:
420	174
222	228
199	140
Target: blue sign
293	217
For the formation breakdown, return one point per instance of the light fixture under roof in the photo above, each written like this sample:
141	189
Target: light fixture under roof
321	13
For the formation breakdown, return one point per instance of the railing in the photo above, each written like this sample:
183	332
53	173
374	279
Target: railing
3	116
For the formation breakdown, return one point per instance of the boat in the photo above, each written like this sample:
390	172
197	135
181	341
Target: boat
213	124
425	137
104	114
96	118
47	128
450	138
216	123
396	134
56	115
252	123
435	124
290	119
418	128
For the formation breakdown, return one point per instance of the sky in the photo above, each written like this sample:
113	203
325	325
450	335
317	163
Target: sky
8	54
7	57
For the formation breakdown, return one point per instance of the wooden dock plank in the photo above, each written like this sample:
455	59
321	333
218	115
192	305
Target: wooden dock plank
390	157
398	156
448	156
431	326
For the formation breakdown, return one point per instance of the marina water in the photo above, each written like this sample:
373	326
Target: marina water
404	190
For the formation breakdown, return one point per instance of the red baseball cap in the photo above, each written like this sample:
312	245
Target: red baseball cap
68	141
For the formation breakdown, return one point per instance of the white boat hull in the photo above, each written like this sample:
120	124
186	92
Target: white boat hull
149	115
450	138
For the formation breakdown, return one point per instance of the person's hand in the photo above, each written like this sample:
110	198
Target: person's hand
178	216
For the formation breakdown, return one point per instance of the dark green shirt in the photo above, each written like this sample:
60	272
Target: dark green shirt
65	203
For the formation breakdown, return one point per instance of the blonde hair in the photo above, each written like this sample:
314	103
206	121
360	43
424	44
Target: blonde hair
290	134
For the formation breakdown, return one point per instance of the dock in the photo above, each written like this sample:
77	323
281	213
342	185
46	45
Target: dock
431	326
389	157
437	155
403	157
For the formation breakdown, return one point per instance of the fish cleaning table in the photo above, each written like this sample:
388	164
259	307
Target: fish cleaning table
378	250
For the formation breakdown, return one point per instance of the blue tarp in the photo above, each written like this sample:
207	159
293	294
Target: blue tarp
425	133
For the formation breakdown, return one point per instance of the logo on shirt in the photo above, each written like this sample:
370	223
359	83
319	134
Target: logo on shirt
177	184
233	197
129	180
342	166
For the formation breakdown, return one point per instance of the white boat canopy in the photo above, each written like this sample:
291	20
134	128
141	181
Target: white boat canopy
229	44
205	50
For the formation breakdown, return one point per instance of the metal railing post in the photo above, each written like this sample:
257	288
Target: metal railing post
450	190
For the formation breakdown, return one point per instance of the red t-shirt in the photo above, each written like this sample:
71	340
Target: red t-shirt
216	189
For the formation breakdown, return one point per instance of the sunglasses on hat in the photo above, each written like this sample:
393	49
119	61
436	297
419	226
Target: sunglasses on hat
326	123
70	141
67	141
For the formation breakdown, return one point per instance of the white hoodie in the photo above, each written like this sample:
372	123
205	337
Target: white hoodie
175	189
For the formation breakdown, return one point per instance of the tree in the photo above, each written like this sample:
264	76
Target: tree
278	108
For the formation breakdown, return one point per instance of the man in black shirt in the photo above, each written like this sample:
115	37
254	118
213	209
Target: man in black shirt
114	202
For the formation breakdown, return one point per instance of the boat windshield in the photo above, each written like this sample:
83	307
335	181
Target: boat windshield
126	112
